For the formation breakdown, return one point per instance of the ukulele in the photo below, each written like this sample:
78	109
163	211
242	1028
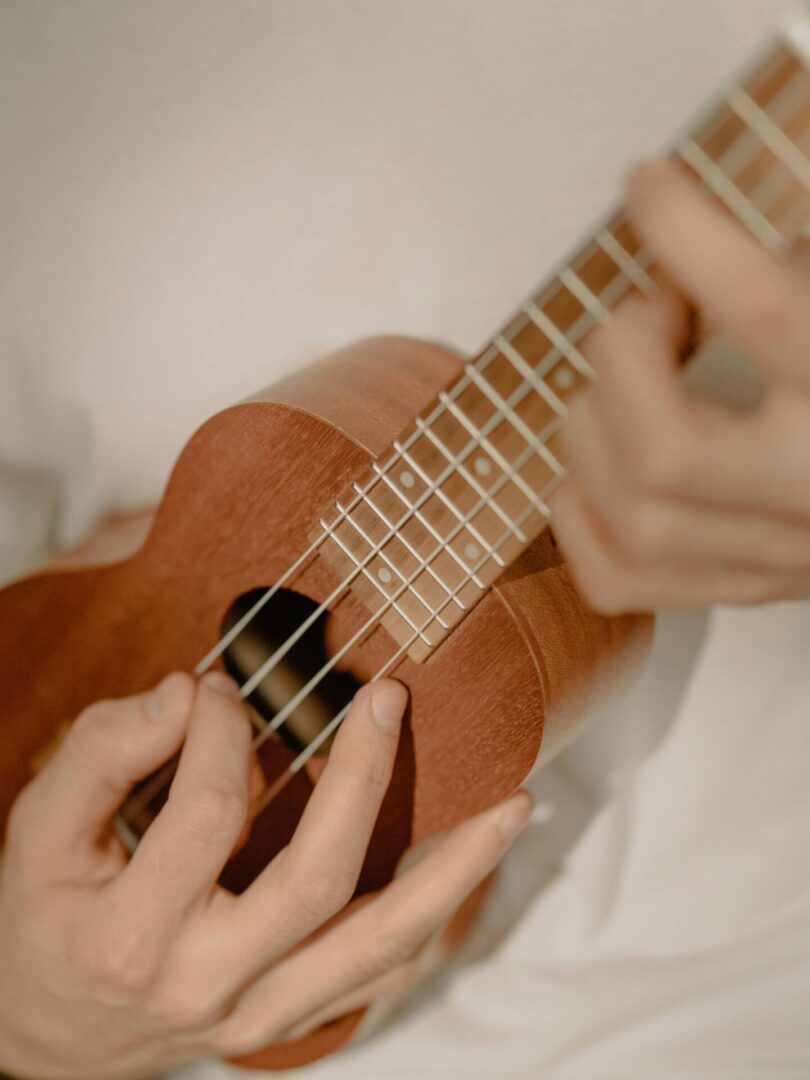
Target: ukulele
384	512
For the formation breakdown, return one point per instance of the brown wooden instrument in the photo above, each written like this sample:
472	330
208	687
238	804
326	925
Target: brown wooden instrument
384	513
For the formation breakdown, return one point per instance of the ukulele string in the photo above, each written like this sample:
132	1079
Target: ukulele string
153	785
345	513
151	788
370	623
314	745
782	103
584	324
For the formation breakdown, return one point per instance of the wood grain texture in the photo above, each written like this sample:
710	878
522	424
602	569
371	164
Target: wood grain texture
238	509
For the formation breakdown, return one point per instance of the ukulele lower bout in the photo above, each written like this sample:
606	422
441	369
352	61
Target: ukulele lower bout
238	511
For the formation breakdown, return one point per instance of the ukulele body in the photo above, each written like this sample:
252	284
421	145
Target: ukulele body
508	685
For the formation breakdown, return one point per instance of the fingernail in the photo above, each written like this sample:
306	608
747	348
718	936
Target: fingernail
161	699
388	705
514	814
221	683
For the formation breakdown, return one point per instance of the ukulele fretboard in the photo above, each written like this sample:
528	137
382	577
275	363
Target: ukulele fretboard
462	491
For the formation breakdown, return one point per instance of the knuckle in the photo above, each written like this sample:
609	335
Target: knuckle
374	778
90	736
390	949
323	893
211	814
187	1008
120	964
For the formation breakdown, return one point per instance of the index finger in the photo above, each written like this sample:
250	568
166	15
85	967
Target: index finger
316	875
759	300
182	854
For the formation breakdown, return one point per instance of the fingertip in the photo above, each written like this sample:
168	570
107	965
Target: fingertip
513	815
221	684
387	701
172	697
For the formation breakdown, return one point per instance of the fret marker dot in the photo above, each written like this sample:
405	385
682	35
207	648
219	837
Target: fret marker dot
563	378
384	574
483	466
407	479
472	551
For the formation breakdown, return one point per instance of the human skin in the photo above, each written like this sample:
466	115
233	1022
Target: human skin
115	968
121	969
672	500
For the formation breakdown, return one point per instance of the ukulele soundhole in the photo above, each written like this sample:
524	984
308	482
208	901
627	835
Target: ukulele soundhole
266	633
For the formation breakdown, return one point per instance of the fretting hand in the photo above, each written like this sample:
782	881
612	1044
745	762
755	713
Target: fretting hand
114	968
673	500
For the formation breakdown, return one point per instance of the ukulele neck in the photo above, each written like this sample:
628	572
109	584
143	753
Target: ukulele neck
462	492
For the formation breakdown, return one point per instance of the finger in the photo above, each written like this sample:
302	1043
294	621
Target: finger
653	437
111	746
384	935
613	582
182	854
384	990
757	299
317	873
600	572
610	441
634	429
639	394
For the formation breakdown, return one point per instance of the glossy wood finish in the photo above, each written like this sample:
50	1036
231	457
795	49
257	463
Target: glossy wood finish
239	508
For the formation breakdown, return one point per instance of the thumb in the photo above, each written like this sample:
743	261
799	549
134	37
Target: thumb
111	746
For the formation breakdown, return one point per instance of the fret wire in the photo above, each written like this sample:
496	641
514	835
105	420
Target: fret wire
563	346
455	391
404	540
520	425
433	489
771	136
451	507
589	300
448	502
781	105
304	692
214	653
298	763
785	106
506	475
517	479
468	476
631	267
728	192
370	577
547	364
518	361
390	563
569	351
268	665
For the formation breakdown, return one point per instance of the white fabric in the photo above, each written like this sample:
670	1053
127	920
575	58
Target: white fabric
197	196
